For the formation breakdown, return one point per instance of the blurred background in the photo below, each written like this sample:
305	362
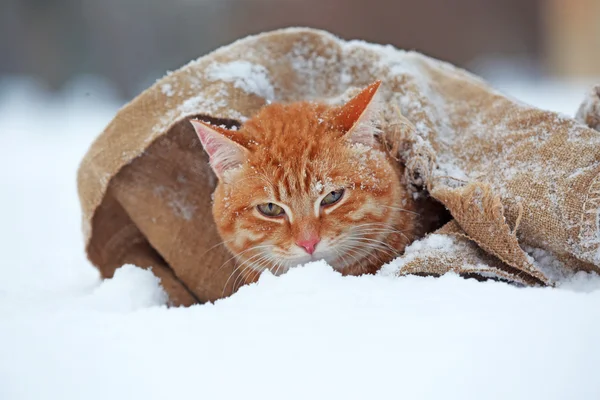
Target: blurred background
128	44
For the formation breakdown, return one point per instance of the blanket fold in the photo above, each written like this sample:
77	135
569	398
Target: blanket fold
516	180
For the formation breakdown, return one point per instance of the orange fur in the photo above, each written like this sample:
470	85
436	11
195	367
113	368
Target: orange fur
293	155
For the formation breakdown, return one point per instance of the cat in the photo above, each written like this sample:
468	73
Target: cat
308	181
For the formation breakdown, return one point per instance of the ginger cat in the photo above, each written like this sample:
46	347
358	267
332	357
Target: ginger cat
308	181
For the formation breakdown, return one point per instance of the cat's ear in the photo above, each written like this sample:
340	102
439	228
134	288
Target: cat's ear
224	153
359	116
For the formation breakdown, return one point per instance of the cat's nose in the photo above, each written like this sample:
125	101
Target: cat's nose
309	244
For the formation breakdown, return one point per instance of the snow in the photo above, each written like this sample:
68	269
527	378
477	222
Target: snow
167	89
310	333
251	78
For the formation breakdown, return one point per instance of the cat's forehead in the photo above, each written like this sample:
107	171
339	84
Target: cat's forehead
290	180
291	124
303	177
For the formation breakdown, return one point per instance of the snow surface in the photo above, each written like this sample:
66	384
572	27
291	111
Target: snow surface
310	333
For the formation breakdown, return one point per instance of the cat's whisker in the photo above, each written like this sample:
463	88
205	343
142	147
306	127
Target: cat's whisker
242	278
233	273
372	224
383	230
238	268
284	266
287	264
229	259
352	244
356	246
242	268
346	263
378	244
215	246
358	250
245	251
255	265
384	233
258	266
400	209
338	256
358	261
238	281
378	233
281	263
374	230
263	263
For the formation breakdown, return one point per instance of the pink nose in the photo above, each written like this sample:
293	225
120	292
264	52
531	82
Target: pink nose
309	244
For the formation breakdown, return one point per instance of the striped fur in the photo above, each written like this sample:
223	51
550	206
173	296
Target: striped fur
295	154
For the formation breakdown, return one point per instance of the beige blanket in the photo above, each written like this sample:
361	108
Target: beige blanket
522	184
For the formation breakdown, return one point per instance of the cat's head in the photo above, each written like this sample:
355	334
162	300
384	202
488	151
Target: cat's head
306	181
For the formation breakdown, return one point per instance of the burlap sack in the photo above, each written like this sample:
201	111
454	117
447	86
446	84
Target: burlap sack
512	176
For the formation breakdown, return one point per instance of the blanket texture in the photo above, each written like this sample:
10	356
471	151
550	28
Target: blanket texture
522	184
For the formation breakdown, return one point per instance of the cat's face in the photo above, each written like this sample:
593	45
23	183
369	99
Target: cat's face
305	181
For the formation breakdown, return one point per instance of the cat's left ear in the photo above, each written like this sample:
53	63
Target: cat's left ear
224	152
359	116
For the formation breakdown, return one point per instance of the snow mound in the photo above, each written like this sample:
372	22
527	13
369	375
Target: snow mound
131	289
310	333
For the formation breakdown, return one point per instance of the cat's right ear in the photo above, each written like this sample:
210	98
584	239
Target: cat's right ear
359	116
224	153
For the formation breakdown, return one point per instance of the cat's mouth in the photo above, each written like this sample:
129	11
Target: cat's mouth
339	254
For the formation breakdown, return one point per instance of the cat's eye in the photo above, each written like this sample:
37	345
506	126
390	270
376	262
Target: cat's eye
332	197
270	210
